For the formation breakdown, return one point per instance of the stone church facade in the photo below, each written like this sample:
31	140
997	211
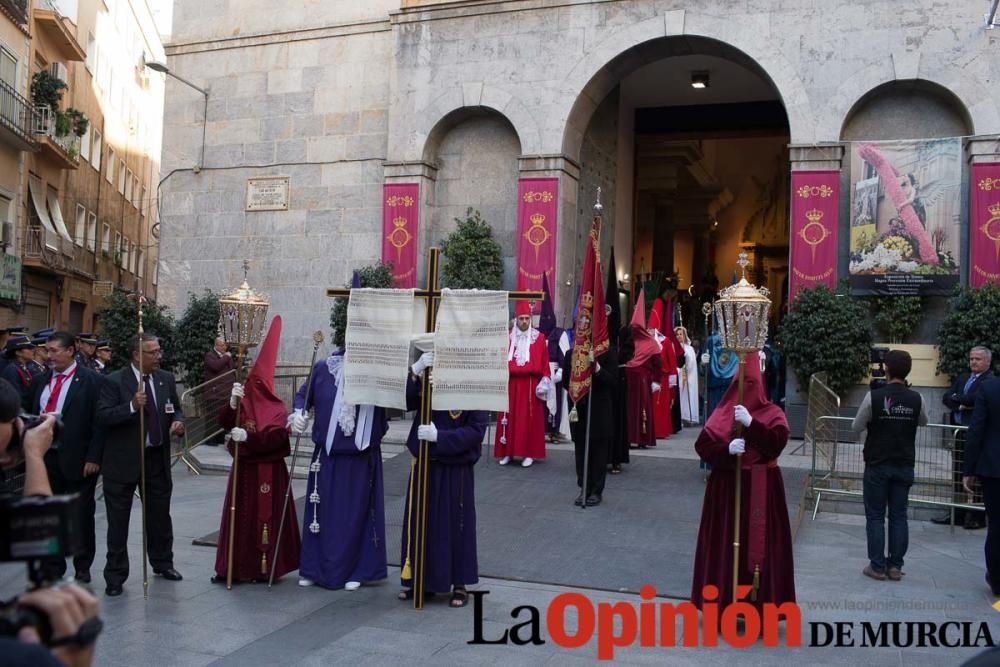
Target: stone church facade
465	97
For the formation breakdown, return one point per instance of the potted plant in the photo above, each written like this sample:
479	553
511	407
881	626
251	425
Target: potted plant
972	319
472	257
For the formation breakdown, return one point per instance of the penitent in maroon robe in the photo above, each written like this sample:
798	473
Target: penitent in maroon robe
766	540
261	479
641	371
663	423
523	435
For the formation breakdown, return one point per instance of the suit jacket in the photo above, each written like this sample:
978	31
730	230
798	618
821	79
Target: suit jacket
114	412
982	440
957	397
16	375
82	439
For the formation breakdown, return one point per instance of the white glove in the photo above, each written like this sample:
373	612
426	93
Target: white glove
557	376
655	387
704	358
238	435
298	422
428	432
743	416
737	446
425	361
597	367
543	388
236	395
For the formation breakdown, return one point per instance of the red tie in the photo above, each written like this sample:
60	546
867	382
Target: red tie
53	402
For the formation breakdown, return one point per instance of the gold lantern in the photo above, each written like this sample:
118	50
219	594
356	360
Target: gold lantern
741	315
242	316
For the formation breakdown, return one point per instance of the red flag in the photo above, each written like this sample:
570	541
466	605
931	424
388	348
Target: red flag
591	329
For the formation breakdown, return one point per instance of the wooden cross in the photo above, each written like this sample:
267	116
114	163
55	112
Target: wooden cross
420	480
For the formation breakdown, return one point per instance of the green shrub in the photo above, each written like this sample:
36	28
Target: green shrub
119	323
195	334
472	258
973	319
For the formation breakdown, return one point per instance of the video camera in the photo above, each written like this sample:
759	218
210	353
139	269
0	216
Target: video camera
876	357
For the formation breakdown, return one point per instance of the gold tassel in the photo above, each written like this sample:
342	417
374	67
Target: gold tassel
264	538
406	572
756	583
263	563
573	416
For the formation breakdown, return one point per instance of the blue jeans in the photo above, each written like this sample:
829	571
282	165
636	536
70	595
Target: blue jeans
887	484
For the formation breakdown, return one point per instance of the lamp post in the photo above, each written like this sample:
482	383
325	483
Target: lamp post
741	317
157	66
242	316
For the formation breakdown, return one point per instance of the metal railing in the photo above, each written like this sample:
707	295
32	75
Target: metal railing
44	123
17	114
838	465
46	246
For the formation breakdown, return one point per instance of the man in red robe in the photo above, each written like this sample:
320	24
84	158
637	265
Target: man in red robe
765	535
262	476
663	423
643	374
521	430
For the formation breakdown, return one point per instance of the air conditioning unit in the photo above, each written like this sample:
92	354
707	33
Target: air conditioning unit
59	71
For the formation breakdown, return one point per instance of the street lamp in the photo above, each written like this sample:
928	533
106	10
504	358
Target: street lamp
157	66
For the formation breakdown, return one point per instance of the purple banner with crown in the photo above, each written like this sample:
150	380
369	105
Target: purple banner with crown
815	204
537	208
984	227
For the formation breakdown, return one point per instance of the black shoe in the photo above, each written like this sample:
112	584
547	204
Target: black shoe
973	523
943	520
113	590
170	574
579	500
82	577
593	500
217	579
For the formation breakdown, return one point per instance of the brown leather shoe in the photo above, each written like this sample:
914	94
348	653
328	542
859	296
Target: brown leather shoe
869	571
894	574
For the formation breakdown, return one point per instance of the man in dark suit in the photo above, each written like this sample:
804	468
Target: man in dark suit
602	393
982	462
20	372
73	461
123	396
960	399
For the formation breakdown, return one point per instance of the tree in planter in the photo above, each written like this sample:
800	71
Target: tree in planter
472	257
119	323
973	319
373	275
829	332
896	317
47	90
194	335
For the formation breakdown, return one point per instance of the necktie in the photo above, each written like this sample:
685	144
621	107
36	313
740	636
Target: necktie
959	417
152	415
972	378
53	402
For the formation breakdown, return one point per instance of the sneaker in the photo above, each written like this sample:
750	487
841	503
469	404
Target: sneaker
352	585
869	571
894	574
504	461
526	463
305	582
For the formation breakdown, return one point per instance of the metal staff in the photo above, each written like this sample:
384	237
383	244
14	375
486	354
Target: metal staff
142	456
593	361
706	309
317	341
240	356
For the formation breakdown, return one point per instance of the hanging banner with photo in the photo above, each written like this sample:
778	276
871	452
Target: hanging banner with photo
400	215
537	208
905	216
815	205
984	225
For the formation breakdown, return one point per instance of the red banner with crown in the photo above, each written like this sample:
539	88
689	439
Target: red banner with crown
815	205
984	227
400	215
537	207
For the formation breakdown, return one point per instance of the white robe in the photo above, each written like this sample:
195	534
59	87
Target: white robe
688	394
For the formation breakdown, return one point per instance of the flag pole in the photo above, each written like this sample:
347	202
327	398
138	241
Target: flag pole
593	361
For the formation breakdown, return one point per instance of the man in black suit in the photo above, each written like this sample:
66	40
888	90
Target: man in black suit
982	462
602	429
73	461
960	399
122	397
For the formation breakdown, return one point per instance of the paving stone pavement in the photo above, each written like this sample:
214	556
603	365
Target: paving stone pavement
194	622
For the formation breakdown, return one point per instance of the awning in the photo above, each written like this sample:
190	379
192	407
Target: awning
57	215
35	187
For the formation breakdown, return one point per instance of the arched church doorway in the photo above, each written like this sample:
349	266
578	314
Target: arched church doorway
691	142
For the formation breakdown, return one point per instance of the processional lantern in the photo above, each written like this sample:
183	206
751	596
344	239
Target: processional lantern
242	315
741	316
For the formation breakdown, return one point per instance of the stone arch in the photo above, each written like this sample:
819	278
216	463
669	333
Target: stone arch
980	110
460	102
600	69
914	109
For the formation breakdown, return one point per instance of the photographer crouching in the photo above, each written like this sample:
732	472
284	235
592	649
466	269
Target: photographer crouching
51	624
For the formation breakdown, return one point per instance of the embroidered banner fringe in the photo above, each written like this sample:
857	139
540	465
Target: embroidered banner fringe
377	340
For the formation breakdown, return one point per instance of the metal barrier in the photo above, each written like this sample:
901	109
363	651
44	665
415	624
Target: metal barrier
838	464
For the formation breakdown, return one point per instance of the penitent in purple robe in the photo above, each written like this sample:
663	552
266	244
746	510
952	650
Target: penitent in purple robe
451	515
350	514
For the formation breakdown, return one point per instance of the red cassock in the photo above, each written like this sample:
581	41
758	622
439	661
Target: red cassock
641	417
524	431
261	485
765	534
663	399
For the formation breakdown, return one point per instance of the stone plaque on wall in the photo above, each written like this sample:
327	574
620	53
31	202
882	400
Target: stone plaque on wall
269	193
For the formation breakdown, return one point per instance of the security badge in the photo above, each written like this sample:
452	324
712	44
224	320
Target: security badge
168	407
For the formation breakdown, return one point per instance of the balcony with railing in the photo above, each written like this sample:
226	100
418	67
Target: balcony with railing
58	31
16	119
44	248
17	10
62	150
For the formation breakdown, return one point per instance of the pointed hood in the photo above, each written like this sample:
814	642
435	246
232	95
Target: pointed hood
260	404
645	345
656	316
547	321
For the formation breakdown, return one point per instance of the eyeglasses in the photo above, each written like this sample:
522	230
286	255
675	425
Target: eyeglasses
156	353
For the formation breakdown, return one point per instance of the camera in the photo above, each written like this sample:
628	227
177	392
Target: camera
876	357
41	531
